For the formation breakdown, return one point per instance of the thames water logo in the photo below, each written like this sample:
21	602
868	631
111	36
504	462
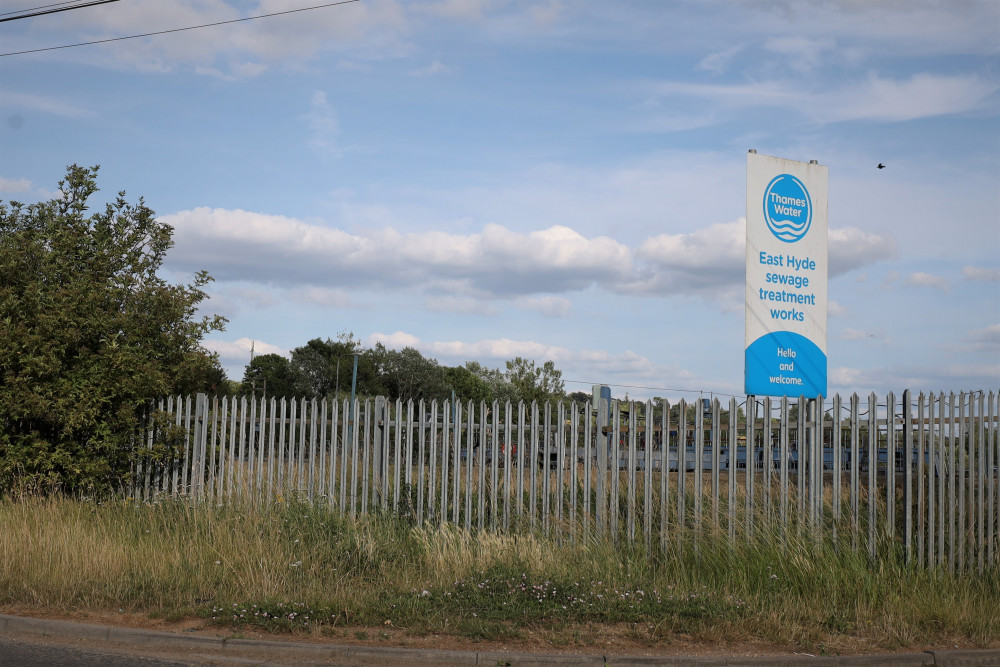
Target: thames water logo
787	208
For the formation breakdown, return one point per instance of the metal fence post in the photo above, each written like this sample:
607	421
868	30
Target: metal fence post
378	443
602	401
199	446
907	477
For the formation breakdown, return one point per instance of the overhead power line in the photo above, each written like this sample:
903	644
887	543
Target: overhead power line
193	27
54	11
31	9
673	389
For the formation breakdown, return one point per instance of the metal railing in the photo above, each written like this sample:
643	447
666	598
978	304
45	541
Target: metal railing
916	477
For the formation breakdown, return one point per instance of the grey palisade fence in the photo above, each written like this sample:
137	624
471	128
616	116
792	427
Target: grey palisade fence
913	476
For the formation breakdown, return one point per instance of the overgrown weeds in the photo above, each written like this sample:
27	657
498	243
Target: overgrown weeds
293	567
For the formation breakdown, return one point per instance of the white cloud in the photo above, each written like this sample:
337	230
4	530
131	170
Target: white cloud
835	308
25	191
707	258
247	70
718	61
494	352
803	53
446	303
378	29
889	279
323	123
459	272
715	256
850	248
322	296
699	249
902	27
988	338
230	299
979	273
239	245
435	68
45	104
14	185
459	9
549	306
875	98
922	96
921	279
393	341
982	376
374	29
237	352
842	376
544	15
257	298
947	377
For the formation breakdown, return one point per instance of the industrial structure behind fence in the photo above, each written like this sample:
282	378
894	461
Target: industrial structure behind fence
910	477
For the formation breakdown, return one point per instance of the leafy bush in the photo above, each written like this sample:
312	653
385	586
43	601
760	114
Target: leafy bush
89	335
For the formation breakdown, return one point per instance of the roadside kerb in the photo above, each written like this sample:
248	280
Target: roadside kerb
961	658
890	660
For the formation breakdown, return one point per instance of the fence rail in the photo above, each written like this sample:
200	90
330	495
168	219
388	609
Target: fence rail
916	477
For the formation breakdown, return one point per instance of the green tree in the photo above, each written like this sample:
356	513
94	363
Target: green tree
496	381
323	366
467	385
373	370
535	383
215	380
271	375
409	374
89	336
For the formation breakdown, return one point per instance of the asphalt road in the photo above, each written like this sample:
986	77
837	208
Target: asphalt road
29	642
26	653
29	651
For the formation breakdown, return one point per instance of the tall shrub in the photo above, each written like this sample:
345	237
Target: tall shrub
89	335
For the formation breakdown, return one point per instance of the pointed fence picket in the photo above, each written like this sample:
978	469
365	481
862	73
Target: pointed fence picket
914	478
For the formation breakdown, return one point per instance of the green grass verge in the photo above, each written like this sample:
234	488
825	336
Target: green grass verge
298	568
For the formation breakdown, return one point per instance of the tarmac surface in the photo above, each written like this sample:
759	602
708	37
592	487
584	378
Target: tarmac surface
27	642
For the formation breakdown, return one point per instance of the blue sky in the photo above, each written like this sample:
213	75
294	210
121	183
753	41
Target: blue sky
560	180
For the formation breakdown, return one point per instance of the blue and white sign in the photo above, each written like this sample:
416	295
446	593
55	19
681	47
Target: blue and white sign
786	273
787	208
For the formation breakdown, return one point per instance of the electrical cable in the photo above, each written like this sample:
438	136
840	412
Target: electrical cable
55	11
164	32
635	386
31	9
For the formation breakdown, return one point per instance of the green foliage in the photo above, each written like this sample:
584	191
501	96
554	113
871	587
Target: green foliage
89	335
497	386
408	373
325	367
535	383
467	385
271	375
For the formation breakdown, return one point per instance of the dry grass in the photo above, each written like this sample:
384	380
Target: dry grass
296	567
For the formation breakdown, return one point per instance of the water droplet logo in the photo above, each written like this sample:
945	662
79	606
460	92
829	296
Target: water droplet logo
787	208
